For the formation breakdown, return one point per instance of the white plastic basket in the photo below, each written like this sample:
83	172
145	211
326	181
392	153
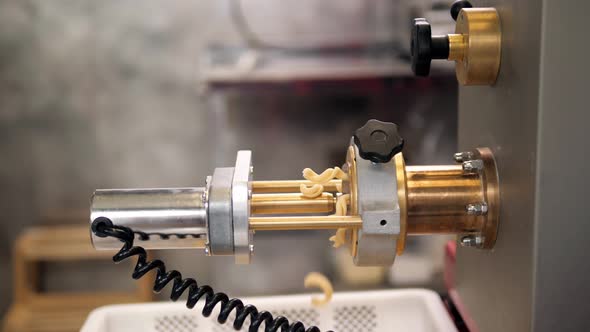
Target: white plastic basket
408	310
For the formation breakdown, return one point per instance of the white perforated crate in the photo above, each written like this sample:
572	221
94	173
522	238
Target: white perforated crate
408	310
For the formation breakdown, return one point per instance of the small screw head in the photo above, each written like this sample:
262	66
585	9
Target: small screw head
472	166
207	250
463	156
471	241
251	248
477	209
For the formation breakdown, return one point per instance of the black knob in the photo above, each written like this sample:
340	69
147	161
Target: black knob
426	47
457	6
378	141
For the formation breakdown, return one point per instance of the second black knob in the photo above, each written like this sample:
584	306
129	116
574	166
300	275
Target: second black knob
425	47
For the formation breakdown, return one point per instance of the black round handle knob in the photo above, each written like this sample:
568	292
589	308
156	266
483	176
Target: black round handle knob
457	6
378	141
425	47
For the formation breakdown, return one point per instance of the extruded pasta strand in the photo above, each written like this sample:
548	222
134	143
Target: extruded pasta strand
321	179
317	189
311	192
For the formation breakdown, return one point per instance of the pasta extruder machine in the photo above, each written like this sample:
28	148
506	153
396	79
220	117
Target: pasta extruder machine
373	205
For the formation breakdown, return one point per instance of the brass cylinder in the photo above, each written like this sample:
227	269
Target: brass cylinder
292	204
288	186
303	223
437	198
482	38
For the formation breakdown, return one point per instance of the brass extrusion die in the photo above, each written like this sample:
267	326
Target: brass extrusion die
351	161
402	196
482	38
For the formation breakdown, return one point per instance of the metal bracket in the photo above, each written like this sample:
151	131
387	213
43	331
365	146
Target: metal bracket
241	193
221	234
378	207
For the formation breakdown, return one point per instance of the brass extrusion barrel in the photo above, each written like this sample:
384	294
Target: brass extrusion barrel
292	204
437	197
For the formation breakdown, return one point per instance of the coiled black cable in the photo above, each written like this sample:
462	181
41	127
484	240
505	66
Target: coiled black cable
104	227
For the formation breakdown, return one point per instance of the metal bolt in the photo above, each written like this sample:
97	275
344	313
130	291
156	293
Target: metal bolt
471	241
463	156
251	248
207	250
477	209
472	166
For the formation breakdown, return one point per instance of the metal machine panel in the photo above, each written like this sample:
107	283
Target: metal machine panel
562	262
533	119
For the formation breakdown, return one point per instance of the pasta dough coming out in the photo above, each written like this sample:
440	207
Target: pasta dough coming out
319	180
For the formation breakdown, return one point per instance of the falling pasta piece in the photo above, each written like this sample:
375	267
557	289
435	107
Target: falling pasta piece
311	192
318	280
339	238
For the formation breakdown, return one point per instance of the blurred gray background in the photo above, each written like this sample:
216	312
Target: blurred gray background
107	94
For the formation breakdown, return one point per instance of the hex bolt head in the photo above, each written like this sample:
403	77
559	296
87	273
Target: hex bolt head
472	166
471	241
463	156
477	209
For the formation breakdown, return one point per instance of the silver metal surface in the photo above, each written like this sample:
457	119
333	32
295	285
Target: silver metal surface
536	121
221	233
379	209
172	218
241	193
463	156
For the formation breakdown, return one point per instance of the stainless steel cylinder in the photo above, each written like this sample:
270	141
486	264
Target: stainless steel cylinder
163	218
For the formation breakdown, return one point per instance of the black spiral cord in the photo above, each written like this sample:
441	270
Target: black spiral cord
104	227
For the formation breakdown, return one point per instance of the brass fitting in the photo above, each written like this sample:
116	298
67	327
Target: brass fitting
475	46
461	199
